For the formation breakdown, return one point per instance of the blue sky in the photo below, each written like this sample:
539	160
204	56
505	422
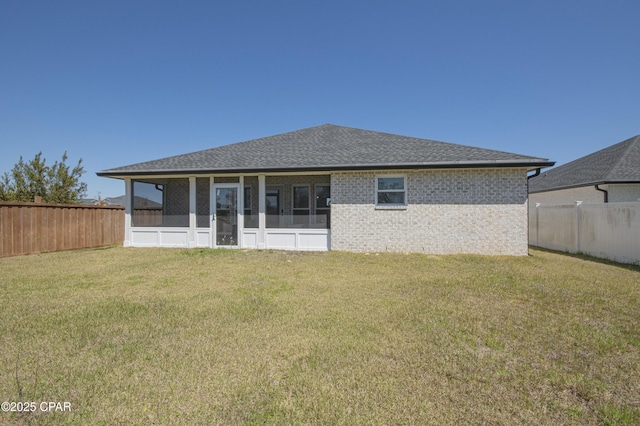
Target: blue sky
120	82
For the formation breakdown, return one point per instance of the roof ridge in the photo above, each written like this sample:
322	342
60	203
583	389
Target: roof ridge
330	147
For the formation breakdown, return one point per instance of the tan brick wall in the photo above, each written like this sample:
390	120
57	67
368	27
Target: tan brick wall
623	193
618	193
587	195
449	211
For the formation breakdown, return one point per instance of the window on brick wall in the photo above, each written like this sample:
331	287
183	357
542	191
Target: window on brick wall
391	190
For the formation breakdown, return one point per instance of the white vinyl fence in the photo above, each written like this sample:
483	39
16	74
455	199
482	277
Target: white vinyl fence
610	231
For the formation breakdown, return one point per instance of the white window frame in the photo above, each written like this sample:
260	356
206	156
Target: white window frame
403	190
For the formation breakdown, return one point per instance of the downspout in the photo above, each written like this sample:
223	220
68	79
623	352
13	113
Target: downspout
606	193
537	173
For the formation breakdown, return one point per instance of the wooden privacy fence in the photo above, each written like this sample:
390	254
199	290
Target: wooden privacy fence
37	227
147	217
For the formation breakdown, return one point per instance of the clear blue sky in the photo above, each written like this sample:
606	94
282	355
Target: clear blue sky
120	82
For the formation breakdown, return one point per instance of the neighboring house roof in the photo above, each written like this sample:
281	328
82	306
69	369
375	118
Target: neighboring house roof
619	163
329	147
119	201
89	201
143	203
115	201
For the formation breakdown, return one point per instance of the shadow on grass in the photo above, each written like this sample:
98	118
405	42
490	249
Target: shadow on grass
583	256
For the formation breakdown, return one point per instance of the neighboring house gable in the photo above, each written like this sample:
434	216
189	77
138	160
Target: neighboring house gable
613	172
334	187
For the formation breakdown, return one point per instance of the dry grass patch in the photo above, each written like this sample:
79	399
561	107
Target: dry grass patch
153	336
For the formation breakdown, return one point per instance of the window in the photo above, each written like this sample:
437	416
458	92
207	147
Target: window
391	191
323	204
301	204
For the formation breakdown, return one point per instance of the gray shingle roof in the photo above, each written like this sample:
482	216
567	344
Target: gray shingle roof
329	147
619	163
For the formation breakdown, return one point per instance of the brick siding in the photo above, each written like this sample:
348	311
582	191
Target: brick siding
481	211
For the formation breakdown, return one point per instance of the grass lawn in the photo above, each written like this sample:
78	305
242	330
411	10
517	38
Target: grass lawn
162	336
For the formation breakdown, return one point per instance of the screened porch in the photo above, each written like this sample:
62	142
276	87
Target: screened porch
282	211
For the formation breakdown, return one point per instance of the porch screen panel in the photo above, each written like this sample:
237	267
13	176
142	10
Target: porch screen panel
203	205
300	202
160	203
301	205
250	194
323	205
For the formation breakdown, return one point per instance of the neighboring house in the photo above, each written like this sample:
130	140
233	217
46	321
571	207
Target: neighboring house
140	202
101	202
334	188
90	201
609	175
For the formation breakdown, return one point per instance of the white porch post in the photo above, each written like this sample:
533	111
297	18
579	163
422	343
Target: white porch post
212	212
128	211
192	212
262	207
